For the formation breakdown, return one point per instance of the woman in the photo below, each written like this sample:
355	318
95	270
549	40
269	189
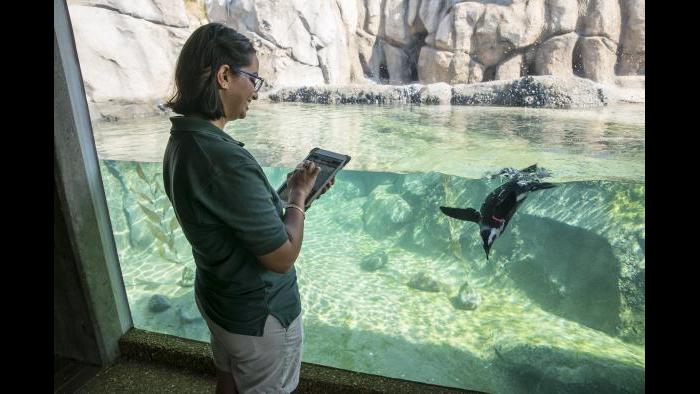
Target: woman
244	246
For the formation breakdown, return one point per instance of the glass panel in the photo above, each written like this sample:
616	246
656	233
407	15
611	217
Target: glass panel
391	286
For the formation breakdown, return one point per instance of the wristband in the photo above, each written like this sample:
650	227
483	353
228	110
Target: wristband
294	206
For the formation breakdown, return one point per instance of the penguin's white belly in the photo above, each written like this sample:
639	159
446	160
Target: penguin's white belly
494	234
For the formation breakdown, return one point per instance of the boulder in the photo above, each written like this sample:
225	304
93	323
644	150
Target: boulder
563	15
569	271
430	14
467	298
632	41
385	214
434	65
602	18
162	12
511	68
533	91
374	261
158	303
488	46
137	55
444	38
466	15
395	26
598	58
523	23
373	16
548	369
424	282
554	56
436	93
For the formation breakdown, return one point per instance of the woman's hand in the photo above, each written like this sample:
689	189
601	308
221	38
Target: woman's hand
301	181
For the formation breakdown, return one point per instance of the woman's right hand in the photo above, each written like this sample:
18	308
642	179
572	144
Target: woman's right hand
301	181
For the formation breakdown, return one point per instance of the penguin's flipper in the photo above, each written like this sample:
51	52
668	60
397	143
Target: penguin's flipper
532	168
542	185
469	214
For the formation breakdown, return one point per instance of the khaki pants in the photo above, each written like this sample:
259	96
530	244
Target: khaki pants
267	364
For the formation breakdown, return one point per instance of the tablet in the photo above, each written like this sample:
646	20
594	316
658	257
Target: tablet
330	163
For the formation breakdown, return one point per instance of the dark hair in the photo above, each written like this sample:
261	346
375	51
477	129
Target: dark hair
209	47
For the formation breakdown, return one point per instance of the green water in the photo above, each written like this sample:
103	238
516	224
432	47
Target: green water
561	302
591	144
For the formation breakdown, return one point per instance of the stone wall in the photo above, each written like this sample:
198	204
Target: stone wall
427	41
128	49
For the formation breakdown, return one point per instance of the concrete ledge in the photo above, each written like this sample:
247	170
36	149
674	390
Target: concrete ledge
196	356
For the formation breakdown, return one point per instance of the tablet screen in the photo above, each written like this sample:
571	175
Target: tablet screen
328	166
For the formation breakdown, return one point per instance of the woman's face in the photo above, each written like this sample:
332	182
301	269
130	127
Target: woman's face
240	91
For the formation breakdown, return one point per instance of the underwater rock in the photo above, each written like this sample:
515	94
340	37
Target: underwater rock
349	213
567	270
346	189
422	281
158	303
189	313
187	278
182	317
548	369
570	254
385	213
374	261
467	298
416	188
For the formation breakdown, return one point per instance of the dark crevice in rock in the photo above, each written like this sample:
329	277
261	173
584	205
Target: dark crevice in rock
118	11
324	69
109	59
304	22
290	53
545	37
489	73
413	52
383	72
473	40
577	60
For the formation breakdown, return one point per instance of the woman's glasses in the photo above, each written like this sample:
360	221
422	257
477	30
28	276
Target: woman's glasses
254	79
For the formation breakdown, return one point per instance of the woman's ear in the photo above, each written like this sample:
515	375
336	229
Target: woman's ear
222	76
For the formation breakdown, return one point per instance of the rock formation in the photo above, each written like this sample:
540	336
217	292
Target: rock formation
128	49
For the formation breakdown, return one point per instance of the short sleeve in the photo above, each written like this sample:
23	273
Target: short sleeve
240	197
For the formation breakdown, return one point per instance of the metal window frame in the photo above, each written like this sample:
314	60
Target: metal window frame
82	197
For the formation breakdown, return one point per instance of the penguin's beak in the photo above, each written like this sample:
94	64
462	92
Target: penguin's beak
487	249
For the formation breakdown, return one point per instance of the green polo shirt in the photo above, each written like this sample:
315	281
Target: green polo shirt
230	214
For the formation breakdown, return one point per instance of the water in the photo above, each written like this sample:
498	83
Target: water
560	303
605	143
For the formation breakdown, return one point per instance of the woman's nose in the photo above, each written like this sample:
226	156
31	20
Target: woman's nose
255	96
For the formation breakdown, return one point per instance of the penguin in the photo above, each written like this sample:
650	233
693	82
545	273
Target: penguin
510	172
499	207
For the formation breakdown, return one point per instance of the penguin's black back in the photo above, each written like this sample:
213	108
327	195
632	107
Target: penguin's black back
501	202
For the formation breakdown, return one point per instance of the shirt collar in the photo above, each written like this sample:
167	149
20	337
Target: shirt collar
199	125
